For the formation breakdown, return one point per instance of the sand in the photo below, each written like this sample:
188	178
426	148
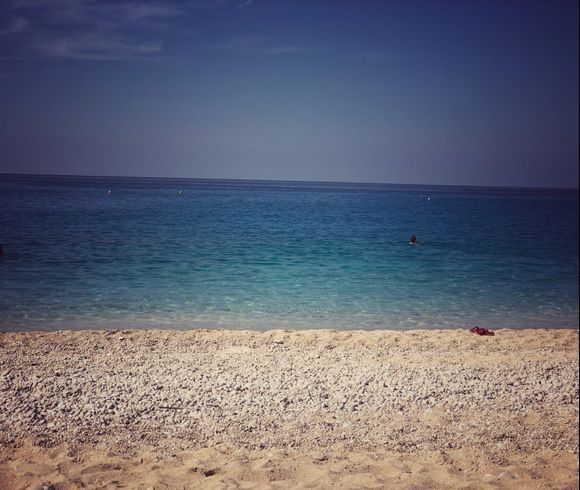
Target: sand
282	409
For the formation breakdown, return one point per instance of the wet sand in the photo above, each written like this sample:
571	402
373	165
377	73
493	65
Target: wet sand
281	409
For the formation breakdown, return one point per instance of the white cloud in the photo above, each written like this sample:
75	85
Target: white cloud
89	29
95	47
206	4
255	46
14	25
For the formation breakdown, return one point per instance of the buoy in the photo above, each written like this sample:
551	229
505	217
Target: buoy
428	199
108	192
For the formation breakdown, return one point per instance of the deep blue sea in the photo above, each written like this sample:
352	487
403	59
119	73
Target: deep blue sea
170	253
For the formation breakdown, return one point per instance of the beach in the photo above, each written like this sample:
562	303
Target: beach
289	409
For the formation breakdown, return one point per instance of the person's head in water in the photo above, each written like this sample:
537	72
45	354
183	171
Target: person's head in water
413	240
1	250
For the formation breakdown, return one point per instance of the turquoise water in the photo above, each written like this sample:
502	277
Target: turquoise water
244	254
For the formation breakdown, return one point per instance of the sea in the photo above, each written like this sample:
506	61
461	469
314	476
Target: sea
100	252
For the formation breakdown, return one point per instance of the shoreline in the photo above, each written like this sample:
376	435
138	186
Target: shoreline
154	327
391	408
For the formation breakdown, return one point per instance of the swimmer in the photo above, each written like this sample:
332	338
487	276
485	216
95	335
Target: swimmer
1	250
413	240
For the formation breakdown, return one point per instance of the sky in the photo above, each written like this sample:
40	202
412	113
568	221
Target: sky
425	92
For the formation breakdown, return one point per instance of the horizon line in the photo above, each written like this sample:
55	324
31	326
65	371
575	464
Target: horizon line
290	180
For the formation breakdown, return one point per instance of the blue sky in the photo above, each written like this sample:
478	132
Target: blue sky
434	92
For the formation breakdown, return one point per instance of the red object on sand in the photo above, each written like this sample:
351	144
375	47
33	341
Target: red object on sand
481	331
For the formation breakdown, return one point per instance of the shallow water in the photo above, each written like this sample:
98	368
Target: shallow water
244	254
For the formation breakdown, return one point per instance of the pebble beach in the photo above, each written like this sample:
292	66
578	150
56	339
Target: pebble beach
289	409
